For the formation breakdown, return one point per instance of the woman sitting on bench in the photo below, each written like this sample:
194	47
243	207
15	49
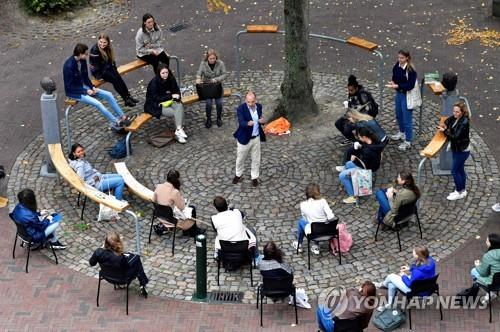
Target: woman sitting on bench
103	66
148	43
92	177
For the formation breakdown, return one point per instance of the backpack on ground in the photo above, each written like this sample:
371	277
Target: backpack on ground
467	296
119	151
345	239
162	138
389	319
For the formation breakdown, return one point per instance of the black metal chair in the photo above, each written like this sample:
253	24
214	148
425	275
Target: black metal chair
110	275
83	204
349	325
27	241
234	255
322	231
402	219
164	212
494	287
424	288
276	287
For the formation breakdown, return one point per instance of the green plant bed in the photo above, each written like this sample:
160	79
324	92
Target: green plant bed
50	7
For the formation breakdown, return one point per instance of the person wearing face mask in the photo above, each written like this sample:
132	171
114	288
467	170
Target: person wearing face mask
103	66
212	70
148	43
163	97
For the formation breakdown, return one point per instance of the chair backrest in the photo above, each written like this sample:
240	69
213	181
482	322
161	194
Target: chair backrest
495	283
349	325
234	254
277	286
113	275
424	286
324	229
405	211
22	232
164	212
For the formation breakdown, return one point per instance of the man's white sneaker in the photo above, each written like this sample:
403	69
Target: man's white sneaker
180	132
496	207
397	136
339	168
404	146
180	139
453	196
315	249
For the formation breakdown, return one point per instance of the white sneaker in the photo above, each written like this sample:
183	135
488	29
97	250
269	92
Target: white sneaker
485	299
404	146
378	284
180	132
295	244
383	307
180	139
339	168
463	194
315	249
397	136
453	196
496	207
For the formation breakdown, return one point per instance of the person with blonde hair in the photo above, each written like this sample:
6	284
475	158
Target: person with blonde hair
103	66
212	70
113	256
456	129
313	209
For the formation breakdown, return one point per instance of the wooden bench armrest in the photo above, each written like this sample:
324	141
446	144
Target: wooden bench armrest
271	28
436	89
139	121
132	184
131	66
70	102
65	170
359	42
434	146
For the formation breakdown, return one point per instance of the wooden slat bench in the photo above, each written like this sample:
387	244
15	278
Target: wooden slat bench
436	144
359	42
132	184
123	69
271	28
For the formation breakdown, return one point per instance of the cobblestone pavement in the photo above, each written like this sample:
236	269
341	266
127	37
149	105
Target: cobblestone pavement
289	163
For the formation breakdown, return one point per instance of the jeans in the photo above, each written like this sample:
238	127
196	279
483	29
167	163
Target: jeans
256	248
154	60
325	320
301	226
404	116
345	177
108	96
394	282
52	228
384	206
112	181
458	169
218	106
346	127
474	274
112	76
177	111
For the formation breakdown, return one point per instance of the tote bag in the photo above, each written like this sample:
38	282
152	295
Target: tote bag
362	181
413	97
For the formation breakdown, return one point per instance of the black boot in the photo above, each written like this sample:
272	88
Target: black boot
219	117
208	111
133	99
208	123
129	102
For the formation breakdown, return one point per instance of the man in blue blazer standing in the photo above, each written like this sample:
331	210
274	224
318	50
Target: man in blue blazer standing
249	135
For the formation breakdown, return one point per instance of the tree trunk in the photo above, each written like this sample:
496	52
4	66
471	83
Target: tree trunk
297	101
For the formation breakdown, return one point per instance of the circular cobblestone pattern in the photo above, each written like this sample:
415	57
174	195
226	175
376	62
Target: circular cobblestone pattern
289	163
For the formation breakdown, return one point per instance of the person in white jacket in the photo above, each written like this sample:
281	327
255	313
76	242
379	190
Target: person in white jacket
228	225
313	209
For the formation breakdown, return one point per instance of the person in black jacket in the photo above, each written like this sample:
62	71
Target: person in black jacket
124	264
163	97
360	100
103	66
365	155
456	129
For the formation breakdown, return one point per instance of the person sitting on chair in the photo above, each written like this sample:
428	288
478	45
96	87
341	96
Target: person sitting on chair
124	264
390	199
169	194
489	264
353	304
40	225
92	177
272	264
313	209
228	226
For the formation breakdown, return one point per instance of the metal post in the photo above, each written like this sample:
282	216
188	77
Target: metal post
421	106
178	66
50	123
68	128
137	232
201	268
419	177
238	56
380	78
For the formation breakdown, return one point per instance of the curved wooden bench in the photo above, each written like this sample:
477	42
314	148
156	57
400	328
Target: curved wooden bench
65	170
359	42
436	144
132	184
123	69
271	28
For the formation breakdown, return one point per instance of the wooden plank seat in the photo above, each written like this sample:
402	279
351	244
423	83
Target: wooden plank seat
436	87
359	42
271	28
65	170
132	184
436	144
123	69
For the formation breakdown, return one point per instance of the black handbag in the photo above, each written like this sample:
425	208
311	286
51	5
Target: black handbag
209	90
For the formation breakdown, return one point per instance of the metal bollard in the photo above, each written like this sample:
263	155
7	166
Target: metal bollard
50	122
201	269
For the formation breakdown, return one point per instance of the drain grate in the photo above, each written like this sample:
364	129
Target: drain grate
178	27
225	297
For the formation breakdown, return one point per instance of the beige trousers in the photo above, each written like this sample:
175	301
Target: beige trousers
242	151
